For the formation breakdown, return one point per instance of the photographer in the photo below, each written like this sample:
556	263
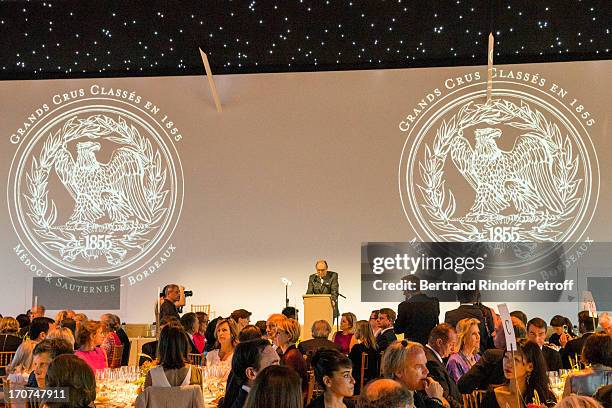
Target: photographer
174	298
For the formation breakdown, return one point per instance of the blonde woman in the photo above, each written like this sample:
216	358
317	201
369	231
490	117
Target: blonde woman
344	337
287	334
22	365
9	327
468	343
61	333
365	342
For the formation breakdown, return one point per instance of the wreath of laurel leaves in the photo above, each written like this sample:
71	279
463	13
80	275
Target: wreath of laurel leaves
44	216
441	205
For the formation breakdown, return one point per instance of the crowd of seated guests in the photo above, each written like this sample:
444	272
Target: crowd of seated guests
266	365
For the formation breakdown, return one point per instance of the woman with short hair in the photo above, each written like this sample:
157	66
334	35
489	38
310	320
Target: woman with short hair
332	371
111	342
61	333
90	336
287	334
275	386
173	368
70	372
9	340
468	344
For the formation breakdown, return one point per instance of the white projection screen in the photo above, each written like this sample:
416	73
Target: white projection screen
297	167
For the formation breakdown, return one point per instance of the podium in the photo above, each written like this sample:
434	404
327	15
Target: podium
316	307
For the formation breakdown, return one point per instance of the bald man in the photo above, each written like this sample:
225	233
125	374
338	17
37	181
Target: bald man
324	282
385	393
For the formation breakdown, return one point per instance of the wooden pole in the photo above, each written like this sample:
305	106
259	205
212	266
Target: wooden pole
211	82
490	68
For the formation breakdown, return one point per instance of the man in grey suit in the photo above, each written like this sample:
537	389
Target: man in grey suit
324	282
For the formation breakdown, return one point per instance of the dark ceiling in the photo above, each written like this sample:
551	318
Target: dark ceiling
67	39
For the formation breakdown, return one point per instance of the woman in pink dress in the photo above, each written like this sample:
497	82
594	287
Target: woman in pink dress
345	337
89	338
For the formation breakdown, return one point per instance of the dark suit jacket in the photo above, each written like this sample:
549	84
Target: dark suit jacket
327	286
572	349
320	403
416	317
312	345
384	339
553	359
487	371
9	342
437	371
452	317
125	356
421	400
240	399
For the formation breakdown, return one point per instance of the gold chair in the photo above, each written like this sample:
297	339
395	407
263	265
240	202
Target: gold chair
195	359
311	384
201	308
473	400
364	367
115	360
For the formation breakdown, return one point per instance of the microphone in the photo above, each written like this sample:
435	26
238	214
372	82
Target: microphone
286	281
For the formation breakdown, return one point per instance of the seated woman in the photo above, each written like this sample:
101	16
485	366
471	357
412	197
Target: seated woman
365	343
111	340
173	369
275	386
332	371
70	372
347	329
468	343
22	364
9	340
226	339
287	334
199	338
525	375
596	352
89	338
61	333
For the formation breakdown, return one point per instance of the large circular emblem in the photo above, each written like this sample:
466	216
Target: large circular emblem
521	167
95	188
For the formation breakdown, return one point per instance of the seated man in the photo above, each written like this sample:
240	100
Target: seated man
572	349
385	393
320	339
405	362
44	353
250	358
536	332
386	336
442	341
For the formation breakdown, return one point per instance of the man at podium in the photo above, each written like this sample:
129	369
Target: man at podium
324	282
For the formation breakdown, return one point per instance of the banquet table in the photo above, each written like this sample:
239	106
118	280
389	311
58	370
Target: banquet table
119	388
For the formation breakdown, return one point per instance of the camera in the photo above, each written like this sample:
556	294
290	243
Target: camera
188	293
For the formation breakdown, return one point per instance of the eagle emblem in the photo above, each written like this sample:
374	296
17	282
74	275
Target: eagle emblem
522	177
114	189
495	172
